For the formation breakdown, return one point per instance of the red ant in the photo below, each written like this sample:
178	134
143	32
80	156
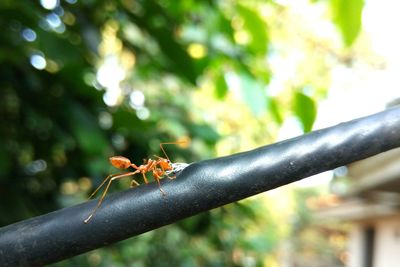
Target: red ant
159	167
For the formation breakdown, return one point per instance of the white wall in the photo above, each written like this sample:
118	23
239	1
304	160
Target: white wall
387	243
355	246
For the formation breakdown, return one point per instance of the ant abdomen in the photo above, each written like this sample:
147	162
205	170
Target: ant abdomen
120	162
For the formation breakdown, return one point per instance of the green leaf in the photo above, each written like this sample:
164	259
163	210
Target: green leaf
86	130
347	17
256	27
58	48
275	110
224	25
221	88
253	94
205	132
160	27
305	109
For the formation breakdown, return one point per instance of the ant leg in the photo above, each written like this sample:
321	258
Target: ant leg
110	176
141	171
144	178
170	177
102	183
111	179
157	177
150	165
134	183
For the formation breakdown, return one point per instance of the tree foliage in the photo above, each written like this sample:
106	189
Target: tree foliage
63	114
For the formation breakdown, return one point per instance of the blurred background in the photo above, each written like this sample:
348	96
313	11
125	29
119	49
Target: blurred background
82	80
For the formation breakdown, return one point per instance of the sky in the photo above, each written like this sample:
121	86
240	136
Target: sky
369	90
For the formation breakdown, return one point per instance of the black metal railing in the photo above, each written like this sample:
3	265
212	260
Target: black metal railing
199	187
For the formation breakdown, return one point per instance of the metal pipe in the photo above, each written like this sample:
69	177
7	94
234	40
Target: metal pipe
199	187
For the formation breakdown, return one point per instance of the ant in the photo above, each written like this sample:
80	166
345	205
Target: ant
160	167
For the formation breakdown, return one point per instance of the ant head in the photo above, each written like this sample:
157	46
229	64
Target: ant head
120	162
165	164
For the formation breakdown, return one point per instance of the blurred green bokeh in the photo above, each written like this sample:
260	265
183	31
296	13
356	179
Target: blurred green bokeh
83	80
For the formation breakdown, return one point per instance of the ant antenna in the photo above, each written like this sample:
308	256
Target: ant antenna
171	143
